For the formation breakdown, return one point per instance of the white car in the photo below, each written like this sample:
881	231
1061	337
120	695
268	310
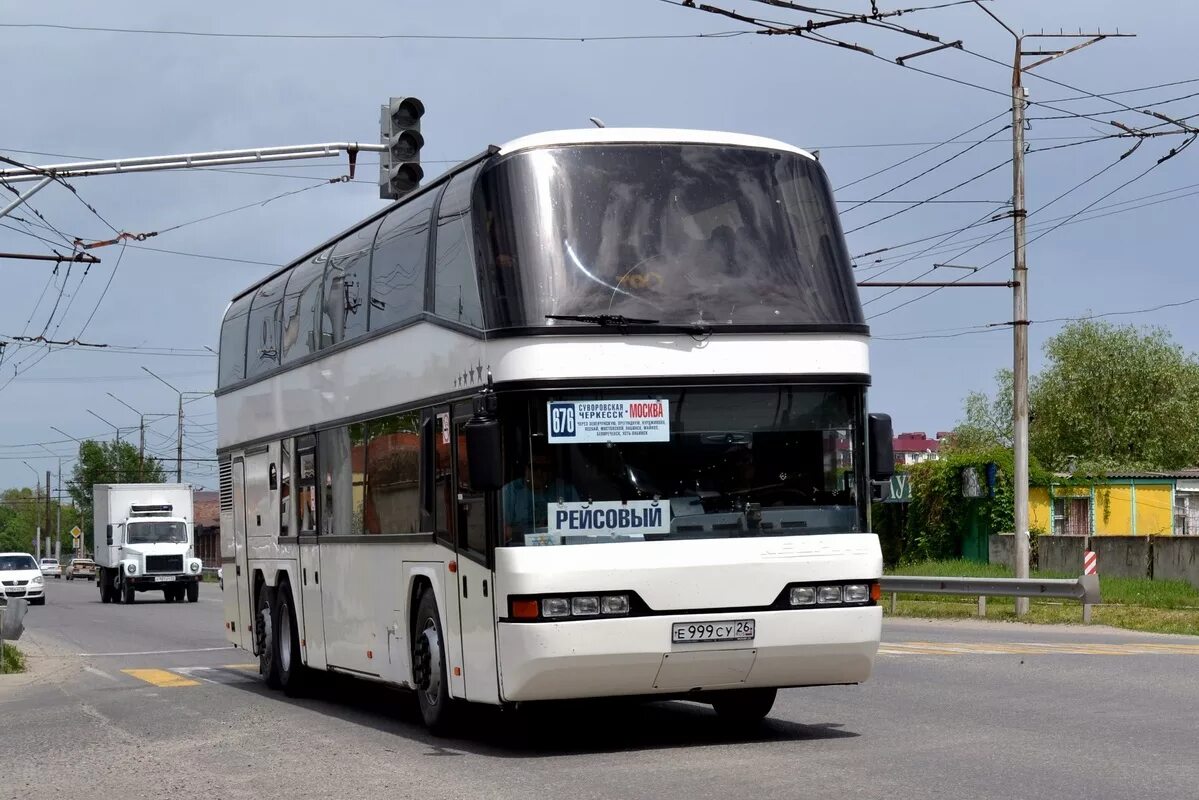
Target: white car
20	577
50	566
220	577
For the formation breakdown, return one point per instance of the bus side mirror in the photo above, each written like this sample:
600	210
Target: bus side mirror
882	453
108	535
484	457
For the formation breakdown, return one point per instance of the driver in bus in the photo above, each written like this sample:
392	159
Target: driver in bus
526	498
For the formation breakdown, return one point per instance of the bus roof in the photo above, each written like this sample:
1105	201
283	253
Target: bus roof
631	135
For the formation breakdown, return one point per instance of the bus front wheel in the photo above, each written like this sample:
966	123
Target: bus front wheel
743	706
429	668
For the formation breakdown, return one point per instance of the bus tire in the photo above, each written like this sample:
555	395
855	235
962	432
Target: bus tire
130	593
293	675
743	707
193	592
429	670
105	594
264	638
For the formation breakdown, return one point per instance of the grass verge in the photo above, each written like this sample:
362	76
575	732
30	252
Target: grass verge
12	659
1134	603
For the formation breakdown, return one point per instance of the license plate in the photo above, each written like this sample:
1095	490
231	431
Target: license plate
164	579
736	630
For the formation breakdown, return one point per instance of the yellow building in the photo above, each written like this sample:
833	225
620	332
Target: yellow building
1129	504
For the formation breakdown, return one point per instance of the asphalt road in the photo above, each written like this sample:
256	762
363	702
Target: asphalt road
954	710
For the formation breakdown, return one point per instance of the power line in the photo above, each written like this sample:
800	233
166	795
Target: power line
950	333
970	180
923	153
380	36
1051	229
927	171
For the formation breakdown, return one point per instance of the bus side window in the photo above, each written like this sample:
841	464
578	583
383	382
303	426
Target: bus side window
443	488
306	485
285	487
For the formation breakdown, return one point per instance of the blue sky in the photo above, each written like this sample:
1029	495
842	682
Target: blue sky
105	95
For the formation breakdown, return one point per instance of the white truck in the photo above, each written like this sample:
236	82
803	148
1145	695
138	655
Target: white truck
144	541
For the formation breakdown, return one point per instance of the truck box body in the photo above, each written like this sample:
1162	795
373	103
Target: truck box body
144	537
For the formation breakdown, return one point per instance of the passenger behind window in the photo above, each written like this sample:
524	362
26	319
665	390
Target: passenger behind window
526	498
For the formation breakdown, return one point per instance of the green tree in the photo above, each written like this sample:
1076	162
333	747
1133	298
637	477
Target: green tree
21	512
1108	397
107	462
988	422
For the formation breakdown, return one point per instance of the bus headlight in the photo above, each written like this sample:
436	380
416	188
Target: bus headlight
577	606
614	604
803	595
131	568
586	606
195	566
856	592
554	607
828	595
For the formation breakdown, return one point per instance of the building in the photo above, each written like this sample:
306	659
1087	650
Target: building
1120	504
207	528
914	448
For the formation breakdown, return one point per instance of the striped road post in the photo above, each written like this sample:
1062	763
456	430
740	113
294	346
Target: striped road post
1090	566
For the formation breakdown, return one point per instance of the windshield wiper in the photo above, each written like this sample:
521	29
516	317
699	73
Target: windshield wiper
603	320
621	321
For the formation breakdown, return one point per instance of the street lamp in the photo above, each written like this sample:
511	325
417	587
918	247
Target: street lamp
141	446
179	451
64	433
106	422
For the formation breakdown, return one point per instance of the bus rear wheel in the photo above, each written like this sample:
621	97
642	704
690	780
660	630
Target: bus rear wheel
743	707
437	708
292	673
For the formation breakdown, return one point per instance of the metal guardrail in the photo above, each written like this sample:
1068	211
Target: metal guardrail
1084	589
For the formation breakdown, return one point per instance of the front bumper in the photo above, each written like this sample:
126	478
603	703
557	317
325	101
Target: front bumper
24	592
160	581
635	655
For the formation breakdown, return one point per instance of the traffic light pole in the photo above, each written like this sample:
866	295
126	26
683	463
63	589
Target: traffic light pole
48	173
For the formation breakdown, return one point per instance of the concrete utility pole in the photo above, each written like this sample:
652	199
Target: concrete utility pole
47	506
1020	319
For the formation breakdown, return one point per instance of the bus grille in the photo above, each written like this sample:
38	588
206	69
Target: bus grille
164	563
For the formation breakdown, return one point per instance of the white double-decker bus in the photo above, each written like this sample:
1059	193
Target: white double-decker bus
584	417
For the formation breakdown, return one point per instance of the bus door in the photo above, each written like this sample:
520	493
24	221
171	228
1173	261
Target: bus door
306	489
476	581
238	583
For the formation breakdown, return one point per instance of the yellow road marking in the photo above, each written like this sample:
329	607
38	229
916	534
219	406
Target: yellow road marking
160	677
1035	648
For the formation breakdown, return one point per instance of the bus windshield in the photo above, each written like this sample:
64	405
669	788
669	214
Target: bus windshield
156	532
690	234
619	466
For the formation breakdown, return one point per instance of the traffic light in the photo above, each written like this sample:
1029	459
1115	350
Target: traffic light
399	167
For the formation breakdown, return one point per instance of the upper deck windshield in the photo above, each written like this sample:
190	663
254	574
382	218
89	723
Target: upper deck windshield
677	233
682	464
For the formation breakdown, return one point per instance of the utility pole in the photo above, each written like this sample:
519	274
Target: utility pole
1019	327
179	445
1019	281
47	506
